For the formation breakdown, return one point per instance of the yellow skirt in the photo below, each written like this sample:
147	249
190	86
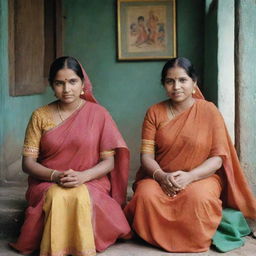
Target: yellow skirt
68	222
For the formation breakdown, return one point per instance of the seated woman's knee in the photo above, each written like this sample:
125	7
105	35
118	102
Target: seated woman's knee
147	190
199	195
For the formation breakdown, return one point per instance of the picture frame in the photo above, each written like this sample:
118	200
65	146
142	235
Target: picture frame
146	29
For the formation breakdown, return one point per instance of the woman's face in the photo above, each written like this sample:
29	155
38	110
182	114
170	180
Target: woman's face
178	85
67	86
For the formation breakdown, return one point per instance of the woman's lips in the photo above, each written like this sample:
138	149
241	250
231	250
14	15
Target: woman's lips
176	94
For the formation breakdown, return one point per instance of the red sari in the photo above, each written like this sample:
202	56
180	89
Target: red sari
75	144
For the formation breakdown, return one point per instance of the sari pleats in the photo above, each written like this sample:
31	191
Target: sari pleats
185	223
109	222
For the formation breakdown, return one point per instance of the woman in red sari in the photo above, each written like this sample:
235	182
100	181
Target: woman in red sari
189	168
77	163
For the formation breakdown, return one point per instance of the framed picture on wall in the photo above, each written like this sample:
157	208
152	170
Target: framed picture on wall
146	29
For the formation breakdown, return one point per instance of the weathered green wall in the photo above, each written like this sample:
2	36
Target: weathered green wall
3	72
126	89
15	111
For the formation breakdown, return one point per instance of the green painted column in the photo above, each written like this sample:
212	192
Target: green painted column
3	77
246	86
219	58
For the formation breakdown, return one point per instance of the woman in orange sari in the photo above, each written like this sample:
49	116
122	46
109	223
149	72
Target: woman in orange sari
189	167
77	163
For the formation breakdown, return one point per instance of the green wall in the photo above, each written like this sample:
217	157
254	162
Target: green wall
126	89
14	111
3	72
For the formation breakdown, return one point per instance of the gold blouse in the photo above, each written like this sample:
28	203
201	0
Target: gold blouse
40	122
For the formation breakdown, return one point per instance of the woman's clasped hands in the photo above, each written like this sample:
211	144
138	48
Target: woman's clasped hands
173	183
69	178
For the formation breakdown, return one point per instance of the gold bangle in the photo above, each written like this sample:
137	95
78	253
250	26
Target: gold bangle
53	171
155	171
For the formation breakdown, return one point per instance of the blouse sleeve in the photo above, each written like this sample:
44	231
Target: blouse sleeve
32	136
107	153
148	133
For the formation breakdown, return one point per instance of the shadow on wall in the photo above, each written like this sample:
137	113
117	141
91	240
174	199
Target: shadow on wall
210	88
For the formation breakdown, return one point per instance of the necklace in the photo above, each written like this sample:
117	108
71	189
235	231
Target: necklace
180	111
171	109
58	107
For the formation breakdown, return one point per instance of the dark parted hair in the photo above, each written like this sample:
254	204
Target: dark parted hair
64	62
182	63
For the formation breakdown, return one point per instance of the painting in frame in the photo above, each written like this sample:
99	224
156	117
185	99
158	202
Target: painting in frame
146	29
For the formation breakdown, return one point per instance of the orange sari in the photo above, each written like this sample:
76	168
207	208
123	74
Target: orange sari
187	222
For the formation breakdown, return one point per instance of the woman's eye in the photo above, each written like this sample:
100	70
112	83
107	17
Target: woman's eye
183	80
73	81
57	83
168	81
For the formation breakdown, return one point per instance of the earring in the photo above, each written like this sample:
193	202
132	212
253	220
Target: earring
82	93
194	91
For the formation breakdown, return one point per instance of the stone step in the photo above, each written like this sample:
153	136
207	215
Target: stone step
139	248
12	206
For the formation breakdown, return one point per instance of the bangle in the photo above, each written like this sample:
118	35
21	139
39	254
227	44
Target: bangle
53	171
155	171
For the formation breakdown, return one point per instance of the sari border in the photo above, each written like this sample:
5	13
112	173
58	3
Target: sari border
62	123
176	116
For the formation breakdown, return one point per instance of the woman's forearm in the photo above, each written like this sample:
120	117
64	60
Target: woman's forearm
35	169
204	170
99	170
151	166
207	168
38	171
153	169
